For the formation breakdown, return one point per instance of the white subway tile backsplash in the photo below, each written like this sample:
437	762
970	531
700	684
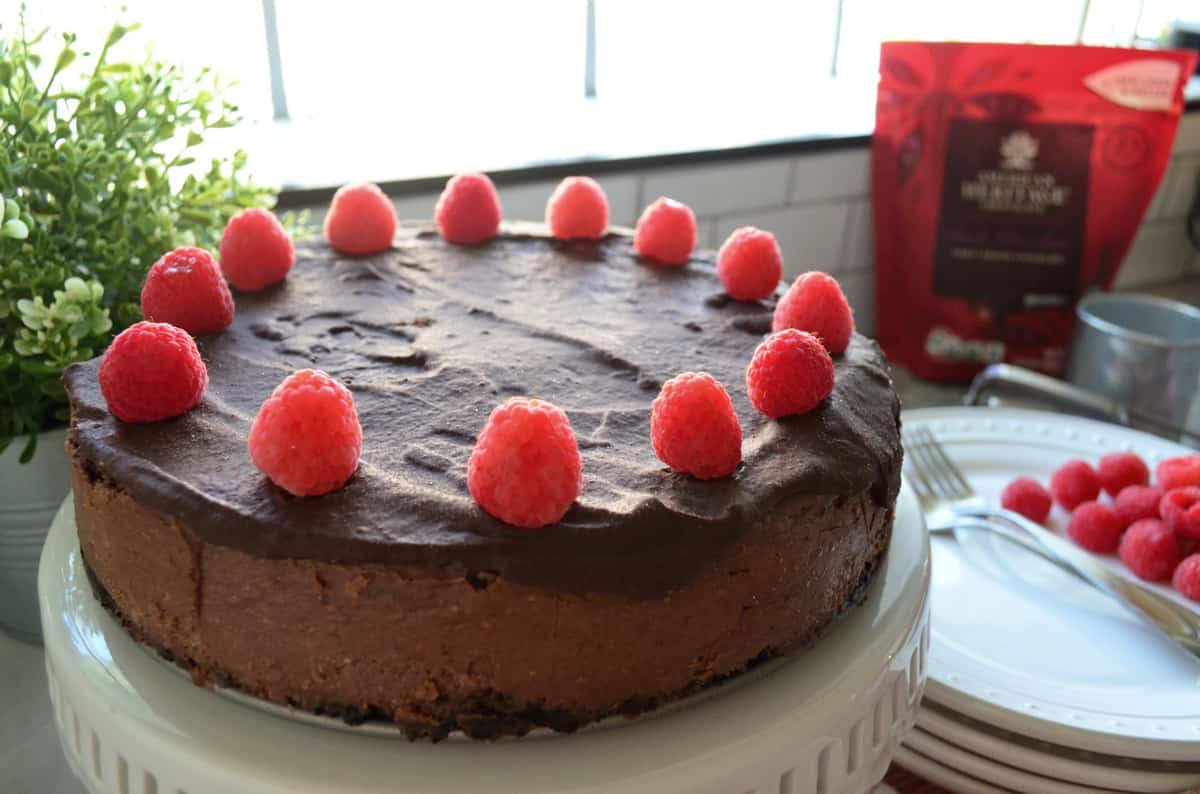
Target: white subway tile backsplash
860	239
1181	188
525	201
530	198
860	293
819	207
622	192
706	234
415	207
1155	210
1160	252
810	235
1187	138
831	175
719	189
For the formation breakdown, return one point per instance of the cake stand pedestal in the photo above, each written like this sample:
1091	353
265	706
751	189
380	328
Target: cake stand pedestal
826	720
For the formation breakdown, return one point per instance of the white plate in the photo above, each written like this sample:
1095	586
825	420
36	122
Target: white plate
1018	644
1053	761
832	714
996	774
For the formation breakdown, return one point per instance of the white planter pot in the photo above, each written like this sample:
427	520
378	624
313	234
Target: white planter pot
30	494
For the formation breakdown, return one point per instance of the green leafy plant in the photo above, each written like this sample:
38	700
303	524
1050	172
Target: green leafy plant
97	180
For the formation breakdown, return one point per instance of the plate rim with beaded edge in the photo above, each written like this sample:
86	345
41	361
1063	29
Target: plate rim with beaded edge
1018	644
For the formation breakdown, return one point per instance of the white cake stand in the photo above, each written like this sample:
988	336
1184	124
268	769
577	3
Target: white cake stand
827	720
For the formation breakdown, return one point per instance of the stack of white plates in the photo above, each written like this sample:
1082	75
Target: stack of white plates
1038	683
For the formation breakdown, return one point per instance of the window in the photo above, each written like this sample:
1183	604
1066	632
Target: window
706	54
405	62
227	35
347	90
867	23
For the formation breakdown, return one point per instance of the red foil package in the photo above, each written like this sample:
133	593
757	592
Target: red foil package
1008	180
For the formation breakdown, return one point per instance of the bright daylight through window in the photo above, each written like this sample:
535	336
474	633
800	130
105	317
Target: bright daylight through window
552	80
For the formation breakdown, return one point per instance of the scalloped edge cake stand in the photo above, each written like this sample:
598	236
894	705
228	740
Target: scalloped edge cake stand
827	720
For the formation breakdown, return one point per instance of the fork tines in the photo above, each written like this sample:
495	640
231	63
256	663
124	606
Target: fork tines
930	468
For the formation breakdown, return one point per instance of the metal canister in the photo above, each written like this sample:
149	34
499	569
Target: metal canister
1142	352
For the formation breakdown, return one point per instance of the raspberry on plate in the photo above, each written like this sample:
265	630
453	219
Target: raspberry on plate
577	209
151	372
1178	472
256	250
1150	550
791	373
1095	527
1180	509
1075	482
186	289
526	469
1120	470
306	437
750	264
1187	578
666	232
1136	502
1027	497
815	303
361	220
693	427
468	211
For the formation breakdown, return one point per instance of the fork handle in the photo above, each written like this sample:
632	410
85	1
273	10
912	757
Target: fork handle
1179	623
970	524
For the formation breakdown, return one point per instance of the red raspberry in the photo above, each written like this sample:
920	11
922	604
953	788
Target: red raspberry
666	232
1121	469
1026	496
1095	527
468	211
791	373
306	436
693	427
151	372
815	303
1177	472
1074	483
1136	502
577	208
1187	578
255	250
1180	509
361	220
186	289
1149	549
750	264
525	469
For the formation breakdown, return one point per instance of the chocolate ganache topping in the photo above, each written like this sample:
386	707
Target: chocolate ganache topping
429	337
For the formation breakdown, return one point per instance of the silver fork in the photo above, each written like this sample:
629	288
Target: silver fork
951	504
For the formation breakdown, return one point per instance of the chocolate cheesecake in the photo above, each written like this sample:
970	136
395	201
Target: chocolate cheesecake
397	597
